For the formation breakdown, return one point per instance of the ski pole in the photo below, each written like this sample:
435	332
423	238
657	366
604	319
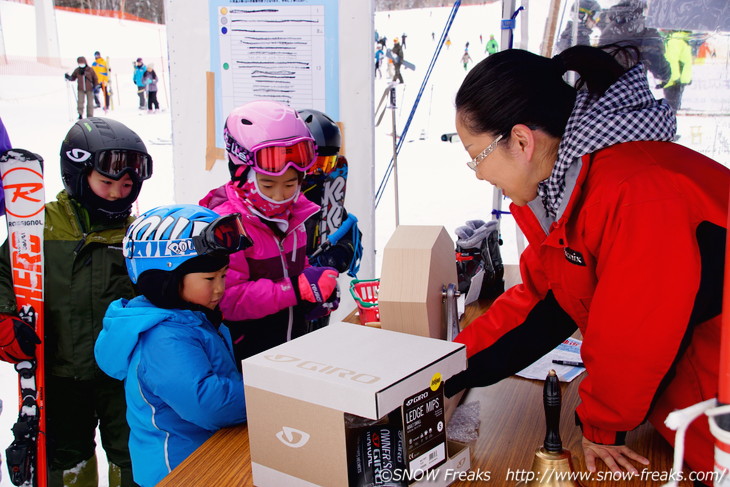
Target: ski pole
335	236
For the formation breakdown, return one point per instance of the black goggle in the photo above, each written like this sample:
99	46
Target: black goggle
113	163
224	235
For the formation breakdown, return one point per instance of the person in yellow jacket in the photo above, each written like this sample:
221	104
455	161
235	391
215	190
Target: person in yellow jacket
102	73
679	54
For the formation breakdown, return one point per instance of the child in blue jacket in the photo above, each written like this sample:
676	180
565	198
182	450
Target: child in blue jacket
168	345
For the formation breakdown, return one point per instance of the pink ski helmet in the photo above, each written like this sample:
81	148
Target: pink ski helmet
270	137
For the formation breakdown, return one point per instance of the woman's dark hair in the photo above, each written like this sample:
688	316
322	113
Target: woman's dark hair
516	86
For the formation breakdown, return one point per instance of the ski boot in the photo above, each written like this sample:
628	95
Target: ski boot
477	249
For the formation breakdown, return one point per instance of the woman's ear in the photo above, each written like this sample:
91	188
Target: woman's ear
523	140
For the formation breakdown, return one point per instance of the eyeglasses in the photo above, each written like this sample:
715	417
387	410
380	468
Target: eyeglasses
223	235
113	163
274	157
490	148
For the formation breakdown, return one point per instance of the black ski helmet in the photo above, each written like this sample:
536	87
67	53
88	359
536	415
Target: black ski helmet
88	144
325	131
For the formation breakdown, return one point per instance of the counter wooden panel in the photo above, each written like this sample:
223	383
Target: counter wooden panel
512	428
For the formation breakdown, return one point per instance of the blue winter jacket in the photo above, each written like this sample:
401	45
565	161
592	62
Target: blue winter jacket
180	380
138	76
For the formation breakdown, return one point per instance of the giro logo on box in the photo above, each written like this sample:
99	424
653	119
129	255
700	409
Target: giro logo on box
324	368
292	437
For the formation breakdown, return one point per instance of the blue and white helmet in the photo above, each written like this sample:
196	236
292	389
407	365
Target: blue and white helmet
165	237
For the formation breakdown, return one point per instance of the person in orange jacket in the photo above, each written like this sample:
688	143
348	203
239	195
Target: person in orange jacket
102	73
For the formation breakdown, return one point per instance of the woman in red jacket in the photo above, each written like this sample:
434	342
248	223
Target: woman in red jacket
627	242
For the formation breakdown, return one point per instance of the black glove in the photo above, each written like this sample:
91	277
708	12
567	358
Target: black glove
338	256
67	76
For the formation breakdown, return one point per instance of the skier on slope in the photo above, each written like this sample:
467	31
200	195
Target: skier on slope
103	165
397	52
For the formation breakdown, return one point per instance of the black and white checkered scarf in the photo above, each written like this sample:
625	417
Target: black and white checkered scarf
626	112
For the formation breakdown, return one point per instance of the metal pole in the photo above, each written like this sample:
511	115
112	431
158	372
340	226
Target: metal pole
395	157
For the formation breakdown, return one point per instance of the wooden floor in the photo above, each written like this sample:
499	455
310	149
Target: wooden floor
512	428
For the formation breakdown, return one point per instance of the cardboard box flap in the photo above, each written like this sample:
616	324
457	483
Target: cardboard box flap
353	368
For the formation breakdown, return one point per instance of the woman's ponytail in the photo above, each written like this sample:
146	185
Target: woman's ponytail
597	68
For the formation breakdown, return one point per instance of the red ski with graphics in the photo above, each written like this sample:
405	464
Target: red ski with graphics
22	178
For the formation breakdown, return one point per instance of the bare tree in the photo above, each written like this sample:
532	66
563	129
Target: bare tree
152	10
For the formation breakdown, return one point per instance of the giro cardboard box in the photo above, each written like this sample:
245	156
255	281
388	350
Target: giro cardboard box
298	395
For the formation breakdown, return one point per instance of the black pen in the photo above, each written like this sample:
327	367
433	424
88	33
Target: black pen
569	363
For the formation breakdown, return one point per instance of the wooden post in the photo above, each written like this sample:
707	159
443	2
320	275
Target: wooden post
212	153
551	25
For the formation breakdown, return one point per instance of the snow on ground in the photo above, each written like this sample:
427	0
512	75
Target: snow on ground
434	185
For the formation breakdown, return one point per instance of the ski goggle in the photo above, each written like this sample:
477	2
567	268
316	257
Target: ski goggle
324	164
113	163
223	235
274	157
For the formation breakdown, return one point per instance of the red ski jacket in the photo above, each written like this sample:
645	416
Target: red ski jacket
635	260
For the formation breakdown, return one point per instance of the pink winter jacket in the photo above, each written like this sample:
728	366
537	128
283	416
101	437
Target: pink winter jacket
260	304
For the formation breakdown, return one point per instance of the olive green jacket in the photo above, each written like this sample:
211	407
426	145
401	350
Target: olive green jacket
84	272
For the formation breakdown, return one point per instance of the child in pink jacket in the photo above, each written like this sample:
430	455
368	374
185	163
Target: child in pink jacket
270	289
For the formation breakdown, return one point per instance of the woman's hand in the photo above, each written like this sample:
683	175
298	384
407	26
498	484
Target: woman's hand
614	456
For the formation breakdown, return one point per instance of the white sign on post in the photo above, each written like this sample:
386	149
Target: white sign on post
276	50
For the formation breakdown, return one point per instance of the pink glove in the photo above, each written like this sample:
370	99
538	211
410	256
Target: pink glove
316	284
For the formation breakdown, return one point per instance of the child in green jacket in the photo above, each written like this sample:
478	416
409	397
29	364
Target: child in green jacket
103	165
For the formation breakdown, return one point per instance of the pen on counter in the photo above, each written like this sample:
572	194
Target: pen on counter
569	363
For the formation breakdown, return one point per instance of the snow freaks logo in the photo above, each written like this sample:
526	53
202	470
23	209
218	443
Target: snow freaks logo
24	185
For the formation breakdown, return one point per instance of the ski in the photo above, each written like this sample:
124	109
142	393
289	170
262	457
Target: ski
109	84
22	178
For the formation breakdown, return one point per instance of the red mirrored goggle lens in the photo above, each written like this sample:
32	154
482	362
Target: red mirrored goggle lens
227	234
275	159
325	163
113	163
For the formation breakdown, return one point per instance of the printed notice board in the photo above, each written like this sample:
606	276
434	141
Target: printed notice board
283	50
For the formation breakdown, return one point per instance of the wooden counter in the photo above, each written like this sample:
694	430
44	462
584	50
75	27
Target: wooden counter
512	428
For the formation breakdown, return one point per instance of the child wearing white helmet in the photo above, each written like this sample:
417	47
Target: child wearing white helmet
169	345
272	289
